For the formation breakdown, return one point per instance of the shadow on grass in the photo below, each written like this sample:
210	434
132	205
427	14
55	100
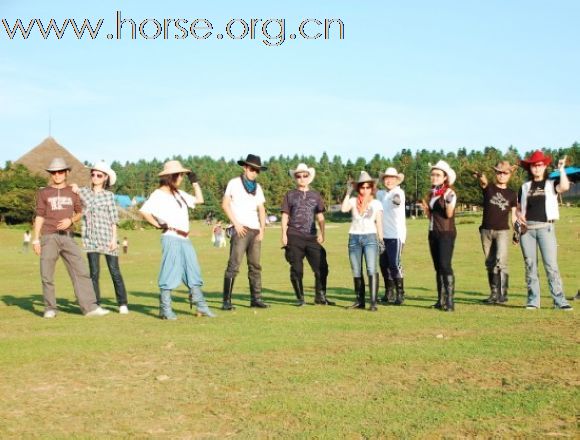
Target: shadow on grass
35	304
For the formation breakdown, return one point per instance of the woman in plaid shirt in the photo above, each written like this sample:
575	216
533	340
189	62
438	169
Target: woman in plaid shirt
99	230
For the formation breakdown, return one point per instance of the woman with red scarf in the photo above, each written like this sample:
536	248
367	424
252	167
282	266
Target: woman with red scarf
365	237
439	205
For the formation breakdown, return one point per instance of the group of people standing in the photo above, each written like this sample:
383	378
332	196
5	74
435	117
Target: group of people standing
376	239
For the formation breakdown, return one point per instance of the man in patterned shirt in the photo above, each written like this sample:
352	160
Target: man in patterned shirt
300	208
57	209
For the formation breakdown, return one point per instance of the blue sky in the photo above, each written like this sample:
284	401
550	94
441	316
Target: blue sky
415	74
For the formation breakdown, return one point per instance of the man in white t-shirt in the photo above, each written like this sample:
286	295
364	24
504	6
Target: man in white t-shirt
394	234
243	203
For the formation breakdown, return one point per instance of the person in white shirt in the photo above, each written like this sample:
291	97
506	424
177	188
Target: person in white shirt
365	237
167	209
243	203
394	235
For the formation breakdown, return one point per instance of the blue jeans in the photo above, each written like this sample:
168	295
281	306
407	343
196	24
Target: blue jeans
360	245
545	239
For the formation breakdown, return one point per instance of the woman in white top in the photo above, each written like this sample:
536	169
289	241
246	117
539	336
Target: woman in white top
365	237
537	212
167	209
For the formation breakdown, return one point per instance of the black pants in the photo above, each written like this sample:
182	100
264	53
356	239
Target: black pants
300	247
441	248
114	270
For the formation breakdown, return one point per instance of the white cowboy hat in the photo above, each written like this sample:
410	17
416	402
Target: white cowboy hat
303	168
444	166
105	168
57	164
392	172
173	167
365	177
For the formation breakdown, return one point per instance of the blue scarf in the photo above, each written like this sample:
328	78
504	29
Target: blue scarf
249	185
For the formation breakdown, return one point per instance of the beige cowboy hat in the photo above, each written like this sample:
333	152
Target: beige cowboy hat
504	166
57	164
173	167
303	168
365	177
444	166
104	167
392	172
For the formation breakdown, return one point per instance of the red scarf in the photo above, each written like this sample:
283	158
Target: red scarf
362	203
438	191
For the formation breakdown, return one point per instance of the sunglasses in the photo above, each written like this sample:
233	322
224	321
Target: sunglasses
437	175
366	187
301	176
58	172
537	165
97	175
254	170
502	173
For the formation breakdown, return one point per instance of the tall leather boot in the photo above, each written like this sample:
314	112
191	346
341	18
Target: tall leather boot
199	300
256	295
359	290
503	287
439	303
374	288
165	311
494	287
228	288
298	291
320	292
389	297
449	289
399	286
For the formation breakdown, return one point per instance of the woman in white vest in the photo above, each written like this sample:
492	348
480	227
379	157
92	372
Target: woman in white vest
537	212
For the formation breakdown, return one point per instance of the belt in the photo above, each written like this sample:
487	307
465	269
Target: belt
179	232
67	233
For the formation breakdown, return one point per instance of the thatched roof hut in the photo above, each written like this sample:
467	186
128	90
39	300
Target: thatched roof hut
37	159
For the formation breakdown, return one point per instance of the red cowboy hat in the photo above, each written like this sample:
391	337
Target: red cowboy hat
536	157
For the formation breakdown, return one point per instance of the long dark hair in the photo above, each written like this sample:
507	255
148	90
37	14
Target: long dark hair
170	181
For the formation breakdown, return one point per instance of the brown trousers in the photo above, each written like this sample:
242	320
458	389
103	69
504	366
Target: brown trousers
52	247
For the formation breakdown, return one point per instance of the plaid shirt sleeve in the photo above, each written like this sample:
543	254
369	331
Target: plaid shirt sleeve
113	211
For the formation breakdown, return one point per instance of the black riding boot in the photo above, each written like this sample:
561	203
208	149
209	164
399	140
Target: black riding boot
494	287
298	290
389	297
359	290
449	289
503	287
439	303
320	292
374	288
228	287
400	292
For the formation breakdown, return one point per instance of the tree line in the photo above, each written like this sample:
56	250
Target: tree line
17	185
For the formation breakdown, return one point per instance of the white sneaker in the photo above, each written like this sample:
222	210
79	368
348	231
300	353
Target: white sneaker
99	311
123	310
49	314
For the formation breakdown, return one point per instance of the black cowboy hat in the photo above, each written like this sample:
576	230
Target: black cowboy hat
253	161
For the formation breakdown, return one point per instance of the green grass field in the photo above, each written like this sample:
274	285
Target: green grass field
287	372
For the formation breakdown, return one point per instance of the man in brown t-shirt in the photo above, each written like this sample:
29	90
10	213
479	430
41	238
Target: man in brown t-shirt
57	209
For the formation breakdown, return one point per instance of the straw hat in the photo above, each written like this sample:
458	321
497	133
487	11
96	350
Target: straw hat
303	168
105	168
57	164
392	172
503	166
444	166
364	177
173	167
